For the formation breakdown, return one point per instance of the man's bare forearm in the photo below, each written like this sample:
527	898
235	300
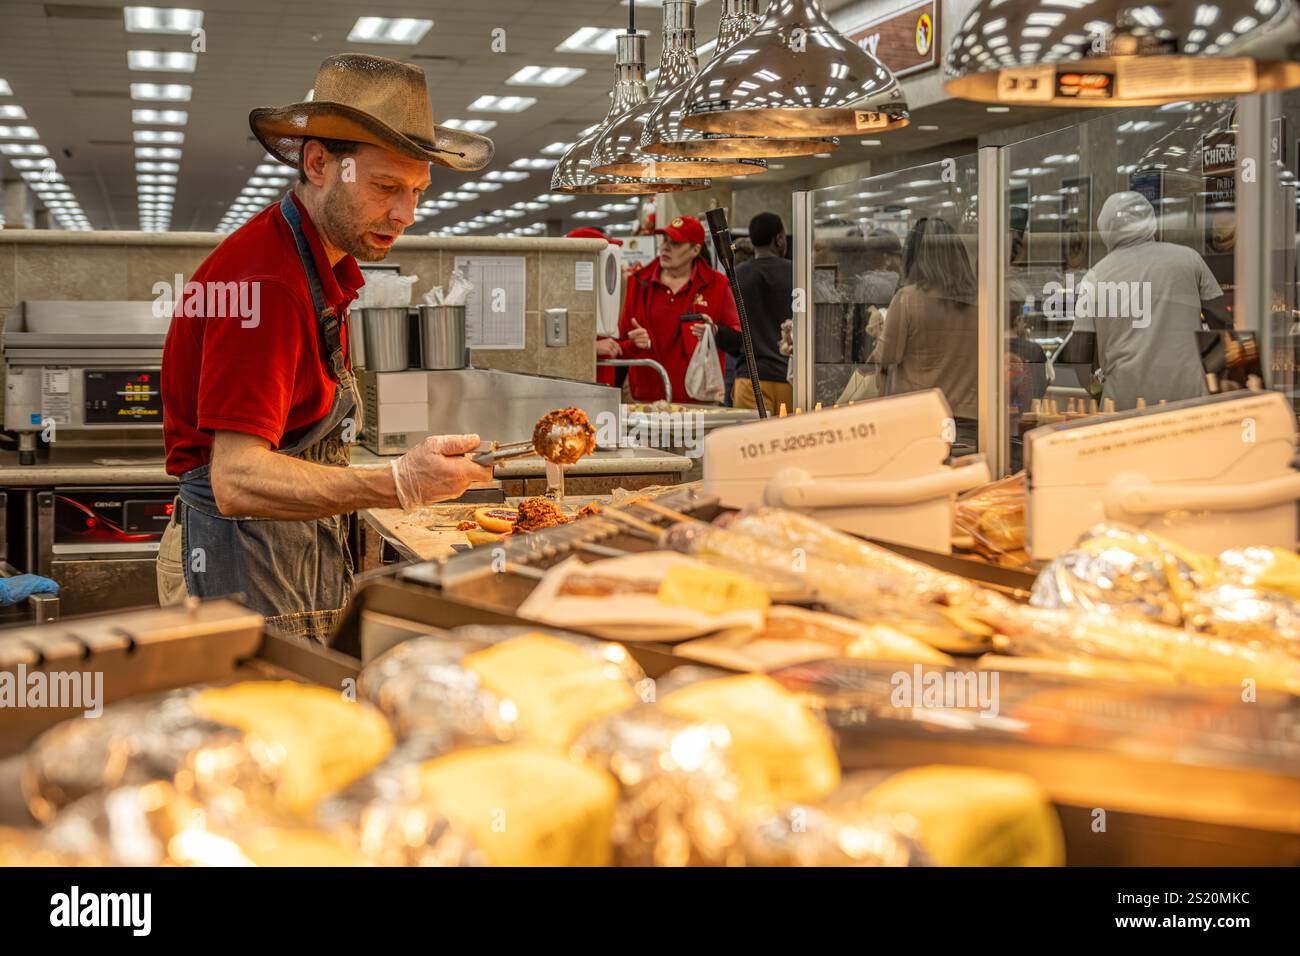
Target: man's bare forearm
251	480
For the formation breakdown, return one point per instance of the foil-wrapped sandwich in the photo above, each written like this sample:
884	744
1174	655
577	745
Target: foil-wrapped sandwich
241	751
154	824
384	817
518	804
678	789
486	684
1248	595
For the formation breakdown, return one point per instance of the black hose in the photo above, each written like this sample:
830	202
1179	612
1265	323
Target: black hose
726	255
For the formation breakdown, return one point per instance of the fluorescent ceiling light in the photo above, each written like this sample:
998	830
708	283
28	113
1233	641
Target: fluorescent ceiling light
171	61
504	176
482	187
166	92
591	40
271	169
32	163
538	162
13	113
590	214
556	149
545	76
396	30
157	190
5	89
18	132
162	20
155	178
501	104
160	117
157	152
149	167
472	126
23	149
555	197
173	136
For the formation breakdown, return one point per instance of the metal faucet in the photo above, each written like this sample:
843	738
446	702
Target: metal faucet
649	363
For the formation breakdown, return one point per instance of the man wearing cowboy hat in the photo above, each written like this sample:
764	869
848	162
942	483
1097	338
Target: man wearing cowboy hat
257	415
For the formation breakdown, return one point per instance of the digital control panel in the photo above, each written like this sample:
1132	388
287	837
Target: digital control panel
123	397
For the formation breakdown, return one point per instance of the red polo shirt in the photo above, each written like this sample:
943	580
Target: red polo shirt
658	310
265	375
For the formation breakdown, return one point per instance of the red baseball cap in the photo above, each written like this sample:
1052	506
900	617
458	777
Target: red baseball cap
684	229
590	232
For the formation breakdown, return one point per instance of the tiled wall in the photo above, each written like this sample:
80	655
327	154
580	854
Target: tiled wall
125	265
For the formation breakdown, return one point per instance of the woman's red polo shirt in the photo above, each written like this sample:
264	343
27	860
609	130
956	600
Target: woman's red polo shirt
671	343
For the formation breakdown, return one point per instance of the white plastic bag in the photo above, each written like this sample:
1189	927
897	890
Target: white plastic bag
704	381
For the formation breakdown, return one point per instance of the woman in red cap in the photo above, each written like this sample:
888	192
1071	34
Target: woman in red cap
677	283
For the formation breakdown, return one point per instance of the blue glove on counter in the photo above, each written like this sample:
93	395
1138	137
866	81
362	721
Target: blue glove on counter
22	586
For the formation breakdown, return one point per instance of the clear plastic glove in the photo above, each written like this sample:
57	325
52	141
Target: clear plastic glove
22	586
436	470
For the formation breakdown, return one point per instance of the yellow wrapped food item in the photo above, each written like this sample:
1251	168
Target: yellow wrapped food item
558	686
781	751
969	816
1268	569
526	805
321	741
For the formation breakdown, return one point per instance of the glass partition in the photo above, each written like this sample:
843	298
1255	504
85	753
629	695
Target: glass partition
894	301
1121	241
1281	360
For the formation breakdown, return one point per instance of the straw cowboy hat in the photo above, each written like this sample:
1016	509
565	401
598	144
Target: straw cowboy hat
369	99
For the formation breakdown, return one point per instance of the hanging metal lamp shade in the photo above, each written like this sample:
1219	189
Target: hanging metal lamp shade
618	152
664	134
1111	53
796	75
573	173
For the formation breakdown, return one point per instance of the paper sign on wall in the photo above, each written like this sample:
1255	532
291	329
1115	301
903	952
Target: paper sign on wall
584	276
494	310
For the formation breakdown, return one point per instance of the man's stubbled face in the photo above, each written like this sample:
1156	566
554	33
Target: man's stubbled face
366	206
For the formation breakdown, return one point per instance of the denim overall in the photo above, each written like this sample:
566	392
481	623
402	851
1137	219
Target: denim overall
298	574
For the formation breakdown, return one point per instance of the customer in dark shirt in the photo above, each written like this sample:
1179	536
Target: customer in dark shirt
767	284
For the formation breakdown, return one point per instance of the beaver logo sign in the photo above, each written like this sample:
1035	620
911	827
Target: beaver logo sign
924	34
907	42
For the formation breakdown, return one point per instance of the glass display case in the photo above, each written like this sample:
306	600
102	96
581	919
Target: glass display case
1136	257
894	295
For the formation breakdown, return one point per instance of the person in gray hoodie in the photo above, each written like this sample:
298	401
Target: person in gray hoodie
1136	311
